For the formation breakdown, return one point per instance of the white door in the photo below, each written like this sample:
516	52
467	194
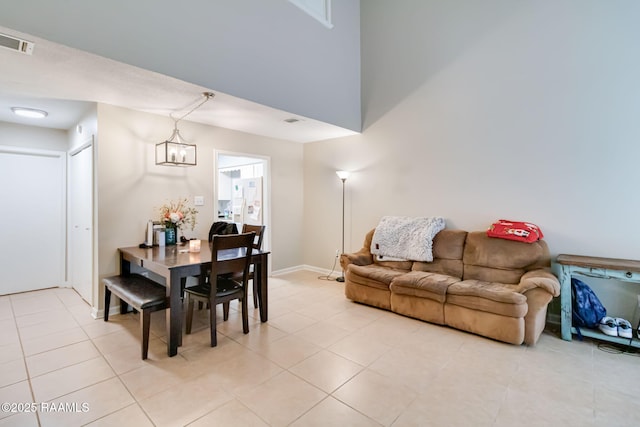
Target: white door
81	221
32	195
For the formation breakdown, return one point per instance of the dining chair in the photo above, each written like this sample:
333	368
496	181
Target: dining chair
257	244
142	294
216	229
228	279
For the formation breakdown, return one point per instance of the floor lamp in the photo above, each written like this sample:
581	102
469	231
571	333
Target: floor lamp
343	175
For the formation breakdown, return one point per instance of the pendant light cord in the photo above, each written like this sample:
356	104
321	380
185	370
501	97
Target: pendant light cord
207	96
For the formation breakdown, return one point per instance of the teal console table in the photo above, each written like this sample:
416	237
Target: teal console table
605	268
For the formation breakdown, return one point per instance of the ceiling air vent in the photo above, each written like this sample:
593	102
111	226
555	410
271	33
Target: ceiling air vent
16	44
291	120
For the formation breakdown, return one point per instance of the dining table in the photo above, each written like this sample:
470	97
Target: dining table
175	263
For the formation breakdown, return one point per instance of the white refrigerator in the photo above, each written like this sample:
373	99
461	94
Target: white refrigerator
247	201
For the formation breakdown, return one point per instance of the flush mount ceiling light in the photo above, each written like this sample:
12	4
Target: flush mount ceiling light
29	112
174	151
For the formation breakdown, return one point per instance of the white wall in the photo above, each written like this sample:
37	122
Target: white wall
131	187
17	135
88	125
266	51
477	111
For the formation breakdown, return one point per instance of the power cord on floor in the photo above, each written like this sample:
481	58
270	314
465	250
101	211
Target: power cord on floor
619	349
333	267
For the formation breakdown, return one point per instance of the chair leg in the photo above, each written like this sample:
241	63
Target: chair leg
146	325
255	293
212	321
225	311
189	322
107	302
245	315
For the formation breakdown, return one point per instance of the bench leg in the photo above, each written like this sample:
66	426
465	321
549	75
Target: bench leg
107	303
124	307
146	326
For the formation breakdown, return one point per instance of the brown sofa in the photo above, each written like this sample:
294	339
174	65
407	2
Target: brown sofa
491	287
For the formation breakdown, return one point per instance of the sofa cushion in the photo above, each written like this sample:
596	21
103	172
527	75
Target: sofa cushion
449	244
448	247
423	284
498	298
498	260
450	267
396	265
491	297
373	275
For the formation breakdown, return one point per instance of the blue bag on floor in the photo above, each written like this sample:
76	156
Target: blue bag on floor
587	308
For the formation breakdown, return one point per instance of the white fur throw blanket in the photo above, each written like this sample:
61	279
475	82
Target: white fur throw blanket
405	238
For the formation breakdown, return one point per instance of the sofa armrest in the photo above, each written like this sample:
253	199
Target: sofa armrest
541	278
362	257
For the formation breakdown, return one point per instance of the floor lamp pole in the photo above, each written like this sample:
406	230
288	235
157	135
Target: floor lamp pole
343	176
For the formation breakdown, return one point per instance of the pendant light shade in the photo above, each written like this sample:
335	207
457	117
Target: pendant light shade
174	151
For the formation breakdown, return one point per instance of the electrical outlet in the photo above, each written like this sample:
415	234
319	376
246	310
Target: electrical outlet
338	254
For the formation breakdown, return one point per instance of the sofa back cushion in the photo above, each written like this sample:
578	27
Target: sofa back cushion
398	265
448	248
499	260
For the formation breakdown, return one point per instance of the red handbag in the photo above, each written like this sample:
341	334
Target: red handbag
515	230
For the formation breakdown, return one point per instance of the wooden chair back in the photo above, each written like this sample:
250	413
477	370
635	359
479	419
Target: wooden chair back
241	244
259	230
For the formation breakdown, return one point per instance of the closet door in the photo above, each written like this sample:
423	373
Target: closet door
81	221
32	230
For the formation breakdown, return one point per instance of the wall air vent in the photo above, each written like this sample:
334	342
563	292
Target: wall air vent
16	44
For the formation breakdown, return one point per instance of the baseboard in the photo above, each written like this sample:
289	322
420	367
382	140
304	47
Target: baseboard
305	267
113	310
287	270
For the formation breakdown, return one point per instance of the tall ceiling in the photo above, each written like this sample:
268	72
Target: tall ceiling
65	81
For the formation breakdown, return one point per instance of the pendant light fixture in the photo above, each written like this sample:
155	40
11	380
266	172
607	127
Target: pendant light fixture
174	151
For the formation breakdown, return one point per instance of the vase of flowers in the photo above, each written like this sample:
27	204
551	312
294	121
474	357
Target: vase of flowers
176	215
170	235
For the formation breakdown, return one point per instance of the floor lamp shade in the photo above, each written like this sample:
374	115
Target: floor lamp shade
343	175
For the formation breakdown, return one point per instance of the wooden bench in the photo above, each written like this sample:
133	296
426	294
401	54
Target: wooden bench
142	294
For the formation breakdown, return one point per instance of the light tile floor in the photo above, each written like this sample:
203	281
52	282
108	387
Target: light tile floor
321	360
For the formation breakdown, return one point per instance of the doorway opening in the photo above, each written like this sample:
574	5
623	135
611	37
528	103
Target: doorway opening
242	190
